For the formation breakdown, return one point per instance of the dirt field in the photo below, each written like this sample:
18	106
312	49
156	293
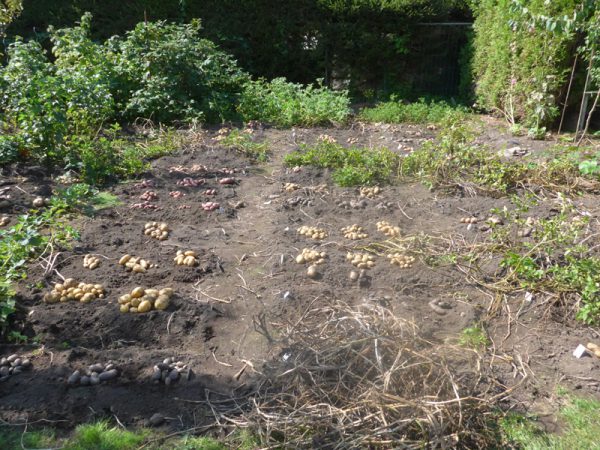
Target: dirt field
248	281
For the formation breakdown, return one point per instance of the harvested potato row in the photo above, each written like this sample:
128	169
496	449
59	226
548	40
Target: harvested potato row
95	374
149	196
311	257
4	220
387	229
354	232
210	206
468	220
135	264
91	262
361	260
290	187
157	230
187	258
71	290
141	300
312	232
369	191
402	260
13	365
169	371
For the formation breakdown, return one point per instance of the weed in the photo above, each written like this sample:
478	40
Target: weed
101	436
352	166
432	112
473	337
243	143
199	443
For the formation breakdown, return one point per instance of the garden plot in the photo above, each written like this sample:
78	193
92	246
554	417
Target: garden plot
192	276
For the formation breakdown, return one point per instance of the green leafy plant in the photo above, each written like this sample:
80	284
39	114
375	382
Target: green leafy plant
426	112
242	142
473	337
352	166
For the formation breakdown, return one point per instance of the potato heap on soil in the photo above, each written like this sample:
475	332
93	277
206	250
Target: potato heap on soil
361	260
312	232
468	220
290	187
311	257
168	371
402	260
13	365
95	374
369	192
157	230
387	229
91	262
354	232
141	300
186	258
135	264
71	290
4	220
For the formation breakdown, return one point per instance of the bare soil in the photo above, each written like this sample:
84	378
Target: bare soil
225	313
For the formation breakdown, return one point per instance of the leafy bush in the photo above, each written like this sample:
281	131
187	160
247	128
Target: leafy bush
287	104
422	111
167	72
352	166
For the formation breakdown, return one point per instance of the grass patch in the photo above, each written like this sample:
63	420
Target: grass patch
242	142
581	428
351	166
102	436
421	112
473	337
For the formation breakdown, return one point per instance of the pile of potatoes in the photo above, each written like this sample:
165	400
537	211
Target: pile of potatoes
4	220
401	260
369	191
291	187
142	300
157	230
210	206
186	258
361	260
353	204
71	290
13	365
387	229
311	257
312	232
210	192
190	182
135	264
38	202
149	196
168	371
95	374
354	232
91	262
469	220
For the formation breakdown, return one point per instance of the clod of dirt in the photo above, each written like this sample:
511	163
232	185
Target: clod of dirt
156	420
387	229
361	260
135	264
4	220
594	349
168	371
369	191
313	272
187	170
141	300
440	306
401	260
311	257
312	232
94	374
157	230
13	365
525	232
186	258
210	206
354	232
326	138
495	220
91	262
353	204
190	182
384	205
290	187
149	196
237	205
298	200
71	290
469	220
227	181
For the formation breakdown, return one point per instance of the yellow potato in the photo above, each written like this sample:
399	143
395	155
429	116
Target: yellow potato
86	298
135	302
190	253
124	259
137	292
166	291
161	303
124	308
151	292
138	269
144	306
124	299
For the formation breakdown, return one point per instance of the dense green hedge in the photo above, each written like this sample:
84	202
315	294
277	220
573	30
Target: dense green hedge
521	69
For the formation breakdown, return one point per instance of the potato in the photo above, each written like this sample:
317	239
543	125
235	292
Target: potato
124	308
69	282
124	299
138	269
190	253
166	291
300	259
312	272
38	202
161	303
144	306
135	302
189	261
124	259
133	309
137	292
87	298
152	292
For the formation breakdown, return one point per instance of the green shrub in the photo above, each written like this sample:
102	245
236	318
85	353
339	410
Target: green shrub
422	111
352	166
287	104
